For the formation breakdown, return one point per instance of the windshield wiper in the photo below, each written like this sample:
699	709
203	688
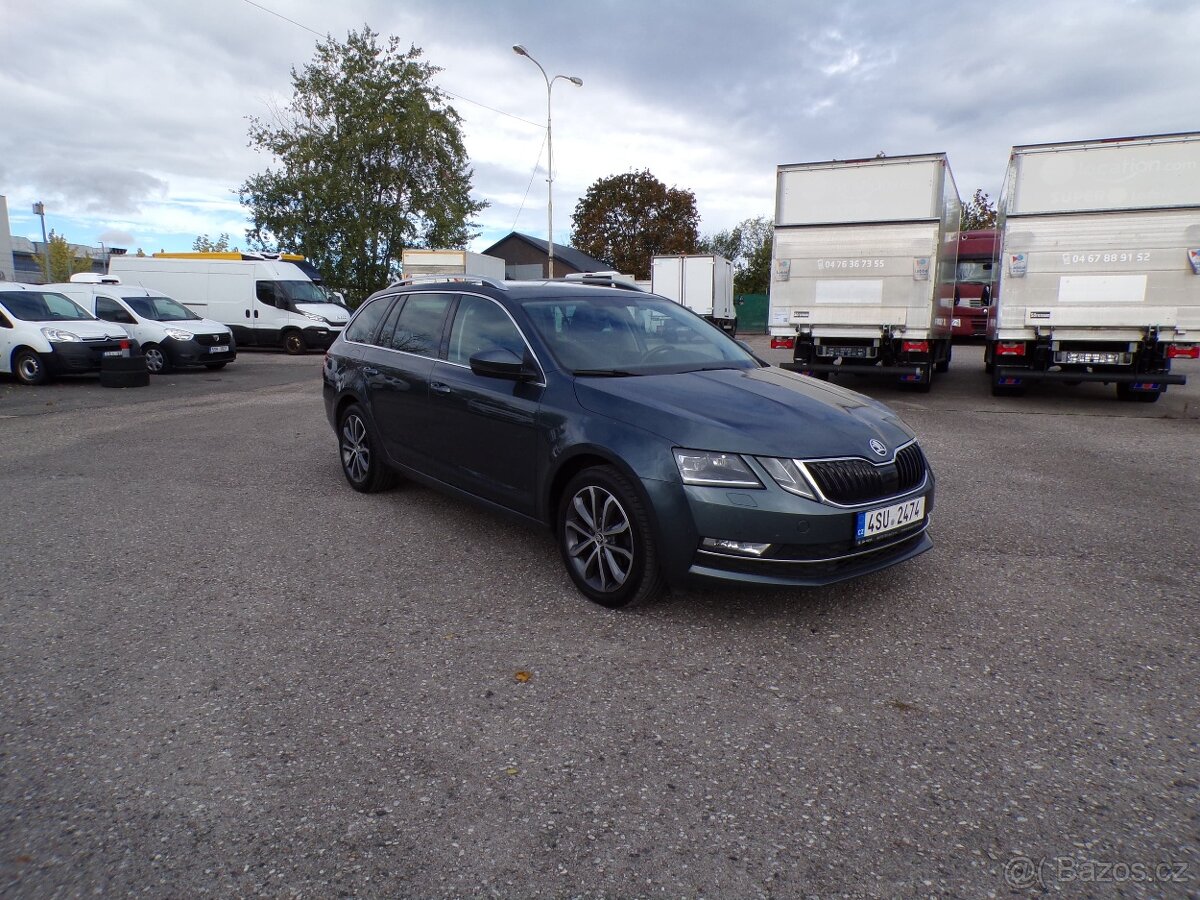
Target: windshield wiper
605	373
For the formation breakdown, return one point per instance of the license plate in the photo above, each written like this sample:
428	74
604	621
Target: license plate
116	352
218	349
879	521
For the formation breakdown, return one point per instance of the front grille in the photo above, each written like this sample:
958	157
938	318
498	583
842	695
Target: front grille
853	481
211	340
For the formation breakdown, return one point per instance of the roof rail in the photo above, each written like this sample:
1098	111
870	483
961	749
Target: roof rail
602	279
424	278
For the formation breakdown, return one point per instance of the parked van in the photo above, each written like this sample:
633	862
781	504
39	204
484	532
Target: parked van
169	333
43	334
265	301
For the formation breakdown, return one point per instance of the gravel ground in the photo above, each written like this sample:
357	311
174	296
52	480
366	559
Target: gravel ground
223	672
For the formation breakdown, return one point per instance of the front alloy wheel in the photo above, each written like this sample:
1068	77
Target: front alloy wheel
605	540
156	359
361	462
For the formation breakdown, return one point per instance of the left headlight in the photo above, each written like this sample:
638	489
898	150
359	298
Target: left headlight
58	336
714	469
178	334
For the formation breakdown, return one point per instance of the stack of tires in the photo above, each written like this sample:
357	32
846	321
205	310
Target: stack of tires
124	371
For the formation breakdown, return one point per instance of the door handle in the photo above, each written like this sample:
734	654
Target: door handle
368	370
440	388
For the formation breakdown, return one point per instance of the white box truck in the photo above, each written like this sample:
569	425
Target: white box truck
1099	265
266	301
862	268
701	282
451	262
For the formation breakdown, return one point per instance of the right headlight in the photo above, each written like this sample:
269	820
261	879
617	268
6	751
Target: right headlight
58	336
788	476
714	469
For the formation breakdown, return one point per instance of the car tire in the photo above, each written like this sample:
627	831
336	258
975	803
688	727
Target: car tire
362	461
157	361
293	343
606	542
29	368
215	366
1124	392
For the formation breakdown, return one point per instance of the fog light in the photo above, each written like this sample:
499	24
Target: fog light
742	548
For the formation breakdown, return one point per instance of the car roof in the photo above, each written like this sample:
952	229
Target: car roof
516	290
22	286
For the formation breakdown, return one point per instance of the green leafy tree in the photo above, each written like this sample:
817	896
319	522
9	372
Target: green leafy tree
624	220
370	160
63	260
748	246
978	213
204	244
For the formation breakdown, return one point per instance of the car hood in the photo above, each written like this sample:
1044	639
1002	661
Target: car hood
764	411
88	329
331	311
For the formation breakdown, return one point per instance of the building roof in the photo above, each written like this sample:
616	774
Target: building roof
577	258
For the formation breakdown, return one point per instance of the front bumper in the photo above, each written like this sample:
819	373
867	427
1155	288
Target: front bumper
1003	372
82	357
319	337
200	350
812	543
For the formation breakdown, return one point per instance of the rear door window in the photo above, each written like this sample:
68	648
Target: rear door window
417	325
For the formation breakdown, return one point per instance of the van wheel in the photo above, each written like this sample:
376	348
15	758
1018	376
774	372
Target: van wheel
362	461
157	361
1124	392
605	540
29	368
293	343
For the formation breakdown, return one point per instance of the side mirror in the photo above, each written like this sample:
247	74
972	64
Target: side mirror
501	363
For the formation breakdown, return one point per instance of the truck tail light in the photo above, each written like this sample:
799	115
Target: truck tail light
1183	351
124	345
1010	348
782	343
915	346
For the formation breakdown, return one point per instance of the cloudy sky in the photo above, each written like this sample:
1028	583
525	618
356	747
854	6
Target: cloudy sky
129	119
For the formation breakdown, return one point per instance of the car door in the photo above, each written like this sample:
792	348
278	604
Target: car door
484	430
7	341
111	310
396	375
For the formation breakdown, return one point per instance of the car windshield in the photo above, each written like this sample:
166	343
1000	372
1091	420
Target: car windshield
977	271
302	291
160	309
42	306
634	335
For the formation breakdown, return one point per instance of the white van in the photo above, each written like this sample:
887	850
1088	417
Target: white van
43	334
266	301
170	334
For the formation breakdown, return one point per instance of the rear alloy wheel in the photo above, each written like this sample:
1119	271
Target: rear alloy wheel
29	368
157	360
293	343
605	540
362	463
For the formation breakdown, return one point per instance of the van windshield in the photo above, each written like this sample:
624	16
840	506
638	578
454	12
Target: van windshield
42	306
302	291
160	309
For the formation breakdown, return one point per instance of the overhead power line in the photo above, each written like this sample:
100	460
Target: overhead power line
443	90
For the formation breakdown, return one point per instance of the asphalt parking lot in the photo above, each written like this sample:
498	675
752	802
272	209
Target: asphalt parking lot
223	672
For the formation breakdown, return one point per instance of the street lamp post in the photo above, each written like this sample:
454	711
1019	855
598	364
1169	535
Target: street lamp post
578	82
39	209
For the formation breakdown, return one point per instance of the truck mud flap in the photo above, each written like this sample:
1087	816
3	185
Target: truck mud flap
1109	378
852	370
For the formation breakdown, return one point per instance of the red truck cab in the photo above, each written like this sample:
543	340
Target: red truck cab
975	283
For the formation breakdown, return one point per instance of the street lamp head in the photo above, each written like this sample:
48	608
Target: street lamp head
578	82
519	50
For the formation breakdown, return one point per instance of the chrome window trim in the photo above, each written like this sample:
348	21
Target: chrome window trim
540	382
